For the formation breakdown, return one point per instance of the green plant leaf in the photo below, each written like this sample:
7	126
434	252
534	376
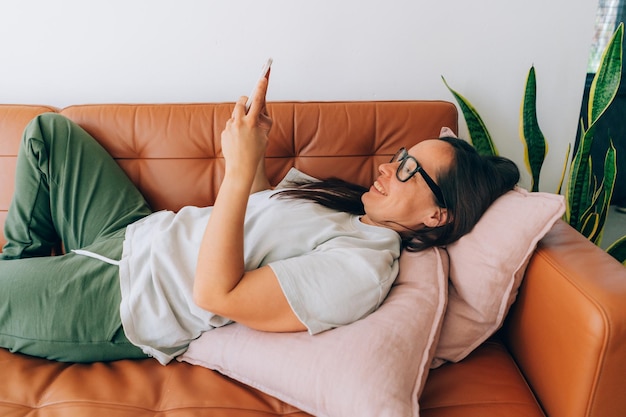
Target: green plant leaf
605	192
590	224
588	210
606	81
564	171
578	191
535	147
479	135
618	250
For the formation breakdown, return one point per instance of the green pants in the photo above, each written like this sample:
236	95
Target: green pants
68	189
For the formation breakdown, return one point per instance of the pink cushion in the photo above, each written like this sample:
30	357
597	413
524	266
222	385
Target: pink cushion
487	266
373	367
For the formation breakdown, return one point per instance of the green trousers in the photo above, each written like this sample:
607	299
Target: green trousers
68	189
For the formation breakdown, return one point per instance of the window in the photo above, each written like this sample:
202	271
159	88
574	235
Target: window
608	16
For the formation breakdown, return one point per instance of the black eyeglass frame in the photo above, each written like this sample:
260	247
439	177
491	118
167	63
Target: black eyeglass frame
402	156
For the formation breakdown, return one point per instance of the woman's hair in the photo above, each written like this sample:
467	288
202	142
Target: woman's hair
469	186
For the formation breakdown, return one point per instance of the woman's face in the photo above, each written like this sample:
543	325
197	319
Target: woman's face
411	204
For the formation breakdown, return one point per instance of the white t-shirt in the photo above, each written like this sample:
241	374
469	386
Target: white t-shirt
333	268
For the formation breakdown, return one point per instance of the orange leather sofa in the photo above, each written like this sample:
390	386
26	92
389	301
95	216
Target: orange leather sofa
561	352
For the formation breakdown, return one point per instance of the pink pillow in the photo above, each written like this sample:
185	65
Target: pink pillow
487	266
373	367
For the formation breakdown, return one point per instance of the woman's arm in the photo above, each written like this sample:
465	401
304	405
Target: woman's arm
221	284
261	182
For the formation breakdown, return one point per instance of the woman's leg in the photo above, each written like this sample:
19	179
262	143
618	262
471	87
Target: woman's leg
67	187
65	308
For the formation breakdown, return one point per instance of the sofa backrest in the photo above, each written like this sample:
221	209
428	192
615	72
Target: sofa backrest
13	119
173	153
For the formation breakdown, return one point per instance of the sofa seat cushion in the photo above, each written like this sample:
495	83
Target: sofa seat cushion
485	383
126	389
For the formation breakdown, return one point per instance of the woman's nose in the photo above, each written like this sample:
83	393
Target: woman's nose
387	168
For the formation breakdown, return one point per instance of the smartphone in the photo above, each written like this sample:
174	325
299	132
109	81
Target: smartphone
265	72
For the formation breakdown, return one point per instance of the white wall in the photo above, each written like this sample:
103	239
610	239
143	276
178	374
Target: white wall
75	51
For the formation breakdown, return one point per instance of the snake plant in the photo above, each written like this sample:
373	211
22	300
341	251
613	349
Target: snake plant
587	202
535	146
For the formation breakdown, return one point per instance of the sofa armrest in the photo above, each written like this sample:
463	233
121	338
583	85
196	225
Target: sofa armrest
567	329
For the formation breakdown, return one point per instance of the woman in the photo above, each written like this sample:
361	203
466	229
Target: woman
317	254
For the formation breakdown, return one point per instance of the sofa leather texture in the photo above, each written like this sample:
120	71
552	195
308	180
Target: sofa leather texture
561	352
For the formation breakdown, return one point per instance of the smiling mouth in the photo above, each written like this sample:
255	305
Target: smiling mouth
379	188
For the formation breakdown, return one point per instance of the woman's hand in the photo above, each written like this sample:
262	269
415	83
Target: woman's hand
244	139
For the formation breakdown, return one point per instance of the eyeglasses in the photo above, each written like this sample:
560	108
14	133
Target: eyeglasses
409	167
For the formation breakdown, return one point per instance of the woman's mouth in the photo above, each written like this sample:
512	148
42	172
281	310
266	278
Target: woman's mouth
379	188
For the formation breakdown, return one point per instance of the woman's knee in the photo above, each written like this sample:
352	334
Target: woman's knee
47	126
50	117
51	135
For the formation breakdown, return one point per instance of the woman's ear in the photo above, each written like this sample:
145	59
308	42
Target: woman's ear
438	218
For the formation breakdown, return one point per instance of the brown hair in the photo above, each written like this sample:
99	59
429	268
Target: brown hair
469	187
